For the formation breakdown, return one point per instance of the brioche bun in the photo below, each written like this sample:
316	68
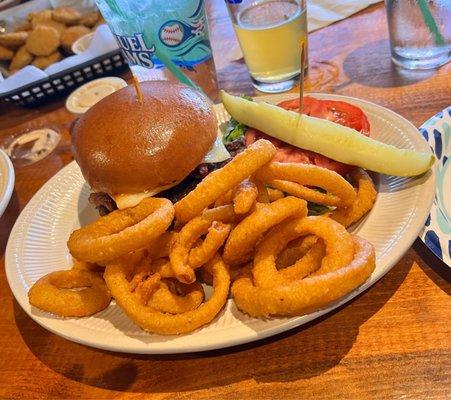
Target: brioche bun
123	146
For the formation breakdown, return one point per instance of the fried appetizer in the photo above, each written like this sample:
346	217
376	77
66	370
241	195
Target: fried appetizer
53	24
66	15
100	21
90	19
70	35
5	53
43	62
42	15
43	41
24	26
21	59
13	40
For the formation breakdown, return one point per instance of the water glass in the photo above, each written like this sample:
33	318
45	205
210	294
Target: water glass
420	32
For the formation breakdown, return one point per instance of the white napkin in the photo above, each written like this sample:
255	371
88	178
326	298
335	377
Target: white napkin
321	13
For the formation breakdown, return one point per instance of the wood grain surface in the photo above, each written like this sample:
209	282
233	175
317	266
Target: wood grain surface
393	341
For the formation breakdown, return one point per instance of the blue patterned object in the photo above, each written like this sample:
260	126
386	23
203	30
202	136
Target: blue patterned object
437	231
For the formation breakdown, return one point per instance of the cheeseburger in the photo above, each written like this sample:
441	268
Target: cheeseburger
164	144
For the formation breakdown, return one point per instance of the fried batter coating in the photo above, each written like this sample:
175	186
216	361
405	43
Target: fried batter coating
90	19
41	15
66	15
13	40
53	24
43	62
6	54
21	59
43	41
100	21
24	26
70	35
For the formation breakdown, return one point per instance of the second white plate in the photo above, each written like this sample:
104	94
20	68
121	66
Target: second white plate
7	178
37	246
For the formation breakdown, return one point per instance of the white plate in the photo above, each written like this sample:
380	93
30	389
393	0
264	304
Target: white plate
437	231
37	246
6	181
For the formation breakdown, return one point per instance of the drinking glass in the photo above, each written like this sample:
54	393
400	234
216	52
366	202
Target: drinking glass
420	32
272	34
159	38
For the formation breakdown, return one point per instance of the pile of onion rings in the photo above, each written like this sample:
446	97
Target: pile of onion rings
158	320
244	229
310	290
224	179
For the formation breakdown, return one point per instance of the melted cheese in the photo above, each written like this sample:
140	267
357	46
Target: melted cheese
218	152
133	199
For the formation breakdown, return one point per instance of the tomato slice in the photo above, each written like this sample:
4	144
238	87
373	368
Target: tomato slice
337	111
347	115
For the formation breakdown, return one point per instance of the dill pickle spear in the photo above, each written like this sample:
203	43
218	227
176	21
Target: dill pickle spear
325	137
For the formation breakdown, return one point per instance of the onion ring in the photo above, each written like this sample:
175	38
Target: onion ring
226	198
295	250
216	236
366	196
305	295
305	265
222	180
167	301
338	241
183	242
303	192
86	266
147	287
160	246
263	194
53	293
246	234
310	175
141	272
168	296
275	194
121	231
135	258
163	267
244	196
184	258
164	323
222	213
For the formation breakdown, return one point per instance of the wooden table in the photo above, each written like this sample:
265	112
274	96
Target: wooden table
393	341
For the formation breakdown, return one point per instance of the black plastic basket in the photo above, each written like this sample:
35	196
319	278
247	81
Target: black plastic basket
67	80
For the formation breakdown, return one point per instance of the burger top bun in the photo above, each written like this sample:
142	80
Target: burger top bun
123	146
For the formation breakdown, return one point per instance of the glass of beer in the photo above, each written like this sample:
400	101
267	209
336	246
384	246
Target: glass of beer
271	34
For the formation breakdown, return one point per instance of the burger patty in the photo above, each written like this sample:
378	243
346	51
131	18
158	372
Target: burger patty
105	204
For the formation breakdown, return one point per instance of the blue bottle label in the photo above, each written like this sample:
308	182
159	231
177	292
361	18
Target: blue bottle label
135	50
183	36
